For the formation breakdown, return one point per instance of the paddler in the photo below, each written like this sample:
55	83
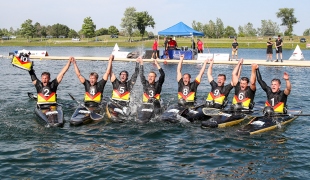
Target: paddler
276	98
217	98
244	89
93	87
122	88
187	90
152	88
47	90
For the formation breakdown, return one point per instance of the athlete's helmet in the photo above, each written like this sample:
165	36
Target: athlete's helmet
268	111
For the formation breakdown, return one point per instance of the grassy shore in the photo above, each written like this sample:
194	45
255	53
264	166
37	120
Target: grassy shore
244	42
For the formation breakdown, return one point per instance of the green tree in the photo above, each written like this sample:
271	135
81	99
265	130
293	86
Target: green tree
113	30
143	20
307	32
219	28
102	31
230	31
288	19
210	29
59	30
27	30
198	26
268	28
72	34
241	31
88	28
129	21
1	33
249	30
37	28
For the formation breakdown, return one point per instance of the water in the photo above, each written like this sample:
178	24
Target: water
106	150
106	51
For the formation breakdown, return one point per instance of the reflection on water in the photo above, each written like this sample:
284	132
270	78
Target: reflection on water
143	151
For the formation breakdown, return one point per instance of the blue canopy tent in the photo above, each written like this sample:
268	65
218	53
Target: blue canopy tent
180	29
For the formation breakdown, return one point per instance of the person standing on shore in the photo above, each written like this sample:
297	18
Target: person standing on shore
166	54
234	47
155	47
279	44
199	46
269	50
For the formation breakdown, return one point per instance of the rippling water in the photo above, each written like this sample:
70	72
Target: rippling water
143	151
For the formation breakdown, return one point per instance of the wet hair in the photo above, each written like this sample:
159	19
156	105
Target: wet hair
153	73
46	74
187	74
245	79
222	75
124	72
94	74
278	80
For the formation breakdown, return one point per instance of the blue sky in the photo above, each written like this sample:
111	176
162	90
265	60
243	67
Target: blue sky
166	13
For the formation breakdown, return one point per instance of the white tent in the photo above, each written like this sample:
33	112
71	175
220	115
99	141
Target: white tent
297	54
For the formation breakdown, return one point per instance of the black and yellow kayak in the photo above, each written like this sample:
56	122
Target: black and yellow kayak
82	114
269	122
118	111
86	112
50	114
223	120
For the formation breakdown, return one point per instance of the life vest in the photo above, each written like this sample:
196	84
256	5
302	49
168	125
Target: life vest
190	97
116	95
219	99
95	98
51	99
146	97
278	108
245	102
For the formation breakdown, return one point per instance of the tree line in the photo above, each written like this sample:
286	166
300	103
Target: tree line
135	23
268	27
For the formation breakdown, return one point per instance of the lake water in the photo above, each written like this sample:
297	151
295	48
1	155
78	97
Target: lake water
106	51
130	150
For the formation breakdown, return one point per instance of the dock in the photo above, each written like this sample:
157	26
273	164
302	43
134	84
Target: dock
245	61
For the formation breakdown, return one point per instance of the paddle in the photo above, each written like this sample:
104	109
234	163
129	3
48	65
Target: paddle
277	115
94	116
32	96
214	111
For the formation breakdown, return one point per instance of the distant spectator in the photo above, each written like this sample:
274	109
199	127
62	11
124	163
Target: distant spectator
279	44
269	50
166	54
172	44
234	47
199	46
155	47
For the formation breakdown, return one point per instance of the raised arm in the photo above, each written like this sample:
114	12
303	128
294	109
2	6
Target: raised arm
236	73
260	80
64	70
202	70
33	76
179	69
109	68
210	78
161	71
253	77
141	72
76	70
133	78
112	75
288	88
